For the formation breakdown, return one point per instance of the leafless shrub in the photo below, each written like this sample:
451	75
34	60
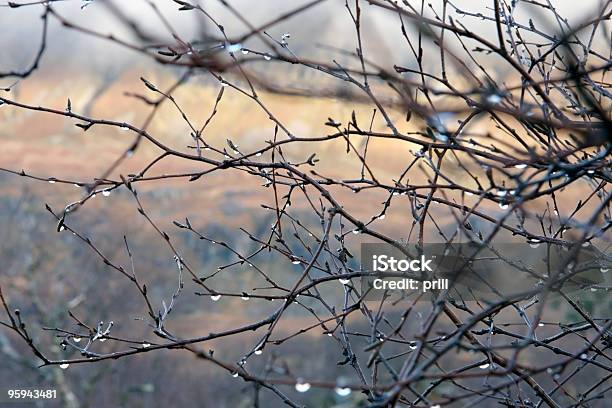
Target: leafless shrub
503	157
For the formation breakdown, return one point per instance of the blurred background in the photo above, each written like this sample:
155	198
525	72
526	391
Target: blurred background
45	273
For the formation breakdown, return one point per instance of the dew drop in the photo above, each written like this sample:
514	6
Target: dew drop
541	324
342	391
64	366
494	99
245	298
296	262
258	154
51	181
604	270
258	352
469	193
214	298
234	47
520	166
344	281
267	57
235	374
534	243
593	289
245	52
356	232
105	193
503	206
381	217
412	346
484	366
301	386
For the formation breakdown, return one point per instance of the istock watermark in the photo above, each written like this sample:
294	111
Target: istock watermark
384	263
467	272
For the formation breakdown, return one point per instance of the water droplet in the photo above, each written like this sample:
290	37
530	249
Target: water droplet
590	171
435	406
412	346
534	243
583	356
258	154
344	281
494	99
214	298
296	262
124	128
342	391
520	166
469	193
245	297
64	366
102	340
245	52
146	345
381	217
76	339
593	289
235	374
484	366
503	206
62	228
51	181
330	334
604	270
77	185
105	193
356	232
541	324
234	47
258	352
301	386
586	244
